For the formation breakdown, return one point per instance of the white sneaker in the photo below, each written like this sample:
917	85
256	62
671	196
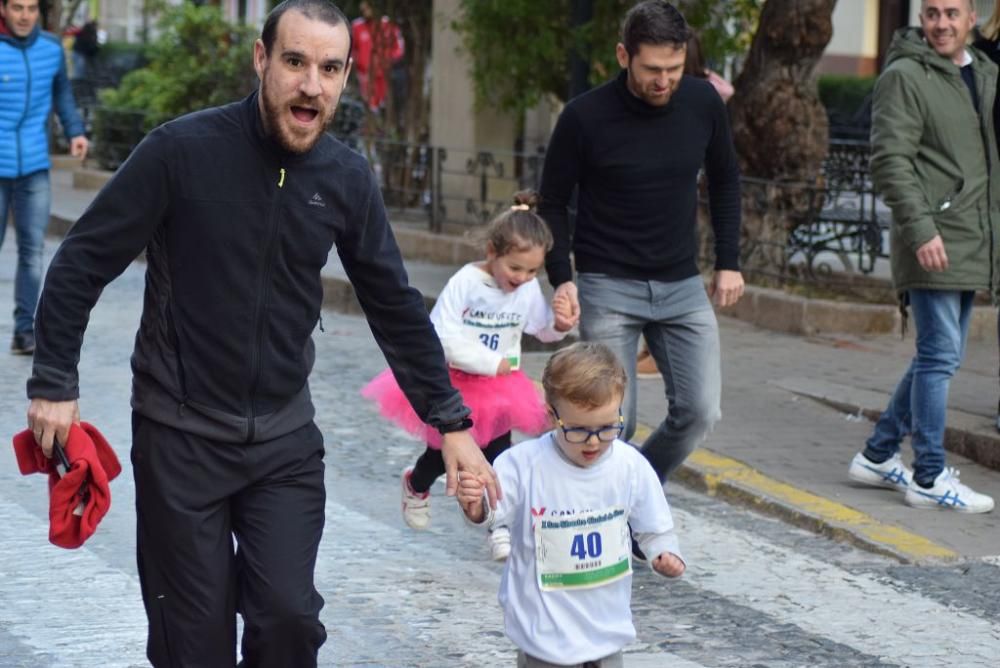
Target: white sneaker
948	493
416	507
890	474
499	540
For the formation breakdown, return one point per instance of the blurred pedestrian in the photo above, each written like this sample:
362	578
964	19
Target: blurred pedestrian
33	80
85	50
694	65
378	48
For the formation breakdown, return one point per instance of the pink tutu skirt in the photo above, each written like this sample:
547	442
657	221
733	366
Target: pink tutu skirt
499	404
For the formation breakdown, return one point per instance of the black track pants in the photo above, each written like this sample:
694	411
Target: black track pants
193	497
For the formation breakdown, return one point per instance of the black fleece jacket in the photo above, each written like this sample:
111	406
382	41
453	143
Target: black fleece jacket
236	231
637	170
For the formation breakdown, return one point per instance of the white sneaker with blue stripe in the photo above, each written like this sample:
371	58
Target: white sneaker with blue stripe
948	493
891	473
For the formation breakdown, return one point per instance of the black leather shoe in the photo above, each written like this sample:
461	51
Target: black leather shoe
23	343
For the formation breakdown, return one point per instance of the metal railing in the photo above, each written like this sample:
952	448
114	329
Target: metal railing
828	233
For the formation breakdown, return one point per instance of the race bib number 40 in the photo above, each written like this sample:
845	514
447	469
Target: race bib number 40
583	550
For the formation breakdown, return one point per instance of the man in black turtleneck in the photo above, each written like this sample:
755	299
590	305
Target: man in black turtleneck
634	147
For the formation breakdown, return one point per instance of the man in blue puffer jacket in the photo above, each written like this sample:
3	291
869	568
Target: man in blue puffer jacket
32	77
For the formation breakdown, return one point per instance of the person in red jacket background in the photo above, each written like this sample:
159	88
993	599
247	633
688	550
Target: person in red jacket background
378	45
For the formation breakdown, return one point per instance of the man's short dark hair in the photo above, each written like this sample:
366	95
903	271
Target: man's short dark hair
654	22
318	10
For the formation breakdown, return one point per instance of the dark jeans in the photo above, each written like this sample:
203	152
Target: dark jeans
194	496
430	465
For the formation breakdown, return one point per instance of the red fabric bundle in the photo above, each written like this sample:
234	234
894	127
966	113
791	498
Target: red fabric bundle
93	465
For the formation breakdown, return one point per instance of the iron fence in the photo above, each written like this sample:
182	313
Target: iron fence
830	233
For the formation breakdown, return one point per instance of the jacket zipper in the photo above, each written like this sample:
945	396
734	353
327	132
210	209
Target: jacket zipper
261	304
27	108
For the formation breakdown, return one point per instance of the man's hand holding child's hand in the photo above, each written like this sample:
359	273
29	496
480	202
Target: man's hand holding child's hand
669	565
563	310
470	497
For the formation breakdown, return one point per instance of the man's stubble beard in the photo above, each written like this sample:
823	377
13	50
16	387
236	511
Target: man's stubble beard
273	127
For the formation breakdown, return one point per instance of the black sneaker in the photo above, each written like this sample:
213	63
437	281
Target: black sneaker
23	343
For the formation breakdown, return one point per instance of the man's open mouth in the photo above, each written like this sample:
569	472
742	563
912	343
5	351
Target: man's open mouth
304	114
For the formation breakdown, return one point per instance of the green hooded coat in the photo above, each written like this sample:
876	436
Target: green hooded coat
934	162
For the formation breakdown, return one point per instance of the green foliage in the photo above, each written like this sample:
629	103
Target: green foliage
199	60
520	49
725	27
844	94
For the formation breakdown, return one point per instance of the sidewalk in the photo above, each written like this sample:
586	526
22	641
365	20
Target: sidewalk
794	414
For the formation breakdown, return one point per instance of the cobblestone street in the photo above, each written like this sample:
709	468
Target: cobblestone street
757	592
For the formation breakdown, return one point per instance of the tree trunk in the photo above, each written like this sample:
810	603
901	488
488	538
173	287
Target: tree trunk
780	128
776	102
53	15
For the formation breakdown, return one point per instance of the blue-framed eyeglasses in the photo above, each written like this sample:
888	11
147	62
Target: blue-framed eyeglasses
579	435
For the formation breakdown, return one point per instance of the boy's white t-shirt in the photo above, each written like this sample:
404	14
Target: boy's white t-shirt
479	324
540	484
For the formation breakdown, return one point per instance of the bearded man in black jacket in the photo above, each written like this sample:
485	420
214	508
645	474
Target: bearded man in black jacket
237	208
634	147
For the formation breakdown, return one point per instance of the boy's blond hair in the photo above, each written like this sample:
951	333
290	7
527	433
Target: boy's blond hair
586	374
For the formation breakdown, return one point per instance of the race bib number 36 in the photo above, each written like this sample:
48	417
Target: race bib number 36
583	550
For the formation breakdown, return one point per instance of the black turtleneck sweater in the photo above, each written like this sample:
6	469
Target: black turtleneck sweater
637	168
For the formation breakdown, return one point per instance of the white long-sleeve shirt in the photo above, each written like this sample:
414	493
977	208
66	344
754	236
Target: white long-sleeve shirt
479	324
566	596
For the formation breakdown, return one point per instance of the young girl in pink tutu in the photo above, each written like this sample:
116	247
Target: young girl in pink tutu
479	318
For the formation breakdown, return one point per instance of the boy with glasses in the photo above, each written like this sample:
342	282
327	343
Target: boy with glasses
569	498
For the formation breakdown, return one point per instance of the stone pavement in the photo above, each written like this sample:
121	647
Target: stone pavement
794	414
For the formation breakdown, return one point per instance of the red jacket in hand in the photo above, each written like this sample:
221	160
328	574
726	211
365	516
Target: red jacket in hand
93	465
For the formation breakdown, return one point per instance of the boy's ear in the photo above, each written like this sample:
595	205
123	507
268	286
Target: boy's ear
551	413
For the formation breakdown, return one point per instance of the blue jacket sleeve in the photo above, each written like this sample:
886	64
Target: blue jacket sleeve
64	103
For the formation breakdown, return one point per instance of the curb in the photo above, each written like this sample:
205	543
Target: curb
971	436
739	484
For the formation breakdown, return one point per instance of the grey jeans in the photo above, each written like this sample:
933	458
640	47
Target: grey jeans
612	661
683	337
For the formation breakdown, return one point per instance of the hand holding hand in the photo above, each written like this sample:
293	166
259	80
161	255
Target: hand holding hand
461	454
564	320
470	497
669	565
566	305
